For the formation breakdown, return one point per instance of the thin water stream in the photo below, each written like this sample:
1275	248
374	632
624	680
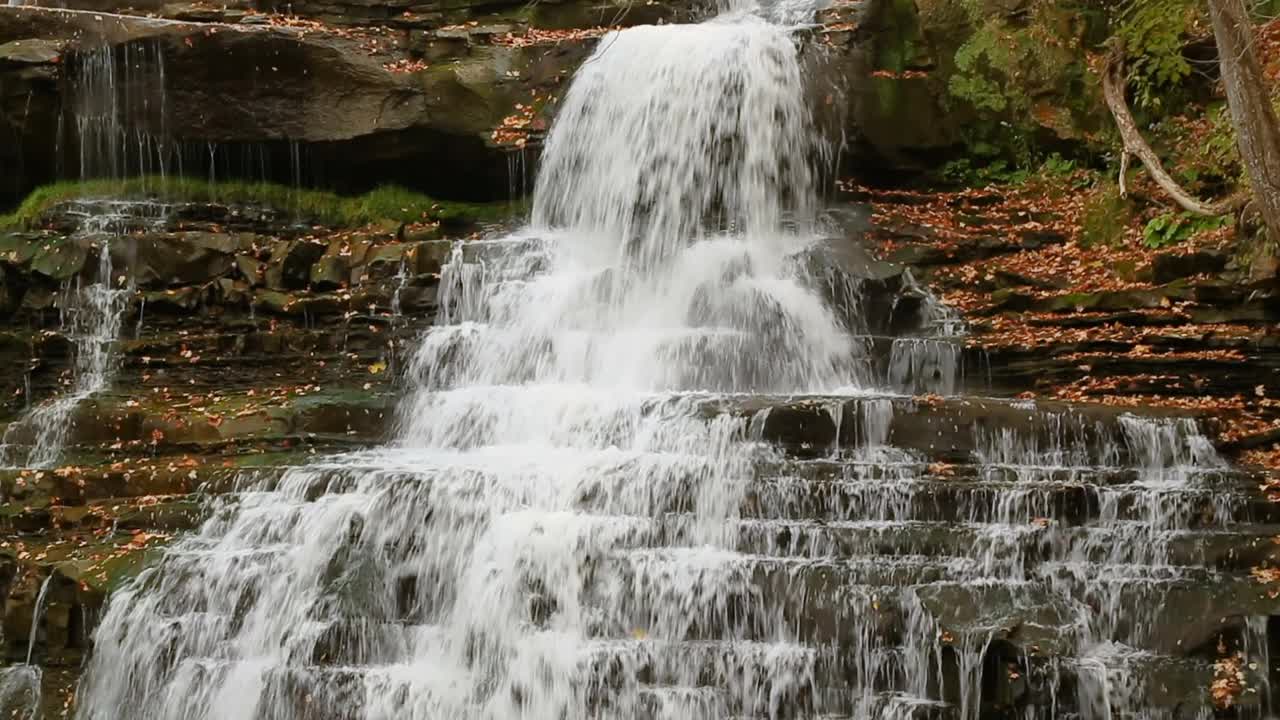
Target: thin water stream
92	317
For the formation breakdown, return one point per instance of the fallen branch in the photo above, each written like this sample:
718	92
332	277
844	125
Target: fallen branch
1113	88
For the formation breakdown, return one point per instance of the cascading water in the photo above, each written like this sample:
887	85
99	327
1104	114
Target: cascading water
553	423
93	315
571	525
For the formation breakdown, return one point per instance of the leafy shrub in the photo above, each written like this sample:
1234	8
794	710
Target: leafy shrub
964	172
1173	228
1153	33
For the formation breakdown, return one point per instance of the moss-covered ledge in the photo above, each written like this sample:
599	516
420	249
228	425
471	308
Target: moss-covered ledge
387	205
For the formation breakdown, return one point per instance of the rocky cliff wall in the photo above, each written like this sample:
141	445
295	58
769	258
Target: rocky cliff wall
449	98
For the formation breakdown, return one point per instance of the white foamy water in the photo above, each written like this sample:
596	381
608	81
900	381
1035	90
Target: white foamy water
569	524
478	567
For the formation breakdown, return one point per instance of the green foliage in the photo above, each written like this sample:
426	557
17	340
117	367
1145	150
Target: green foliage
997	66
1153	33
385	204
1019	77
963	172
1173	228
1056	165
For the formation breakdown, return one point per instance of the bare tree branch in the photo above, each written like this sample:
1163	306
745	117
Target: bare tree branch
1113	88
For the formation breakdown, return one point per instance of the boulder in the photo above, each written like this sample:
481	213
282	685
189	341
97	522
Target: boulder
336	265
17	249
1167	267
252	270
175	259
290	265
283	93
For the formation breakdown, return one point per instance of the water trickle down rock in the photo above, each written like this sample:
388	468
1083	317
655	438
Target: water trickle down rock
93	314
588	510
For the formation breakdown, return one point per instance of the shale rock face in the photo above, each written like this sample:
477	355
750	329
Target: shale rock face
262	88
378	94
447	97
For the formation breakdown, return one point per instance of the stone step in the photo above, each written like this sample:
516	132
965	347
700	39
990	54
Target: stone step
1127	680
667	701
1145	534
1004	549
1030	440
171	513
955	498
1014	433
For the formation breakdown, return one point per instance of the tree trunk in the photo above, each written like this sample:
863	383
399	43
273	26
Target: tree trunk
1257	130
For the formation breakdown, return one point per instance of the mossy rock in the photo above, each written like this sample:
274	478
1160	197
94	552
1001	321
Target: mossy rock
59	259
1106	216
1108	300
181	299
31	52
18	248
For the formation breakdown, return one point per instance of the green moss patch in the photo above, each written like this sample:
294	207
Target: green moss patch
385	204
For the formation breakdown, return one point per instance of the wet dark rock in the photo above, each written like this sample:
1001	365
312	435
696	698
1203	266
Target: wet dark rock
359	124
38	298
919	255
1010	279
353	414
1009	299
384	262
178	259
1167	267
1254	312
274	301
59	259
290	264
850	260
1034	621
252	270
17	248
31	52
335	267
330	272
9	295
174	300
1104	300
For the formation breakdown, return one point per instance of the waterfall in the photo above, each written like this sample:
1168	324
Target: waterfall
556	415
20	685
587	512
20	691
645	171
